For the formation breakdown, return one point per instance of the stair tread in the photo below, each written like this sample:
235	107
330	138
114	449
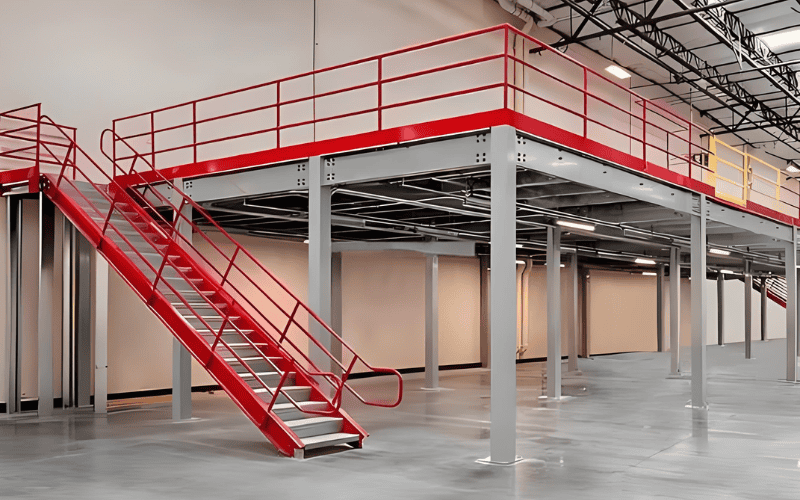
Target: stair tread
289	406
329	440
304	422
290	388
252	358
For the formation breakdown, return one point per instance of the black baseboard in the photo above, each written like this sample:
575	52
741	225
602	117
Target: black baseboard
417	369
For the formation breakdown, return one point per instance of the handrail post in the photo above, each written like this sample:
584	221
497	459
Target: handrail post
113	148
505	67
289	322
38	137
194	130
380	93
690	153
152	140
585	103
277	390
221	329
644	132
230	266
278	115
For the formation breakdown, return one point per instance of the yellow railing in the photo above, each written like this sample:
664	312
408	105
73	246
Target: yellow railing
741	177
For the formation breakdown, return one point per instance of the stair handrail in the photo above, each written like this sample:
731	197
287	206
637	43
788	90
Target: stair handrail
240	249
165	255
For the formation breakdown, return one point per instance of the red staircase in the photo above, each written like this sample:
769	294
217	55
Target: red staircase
241	323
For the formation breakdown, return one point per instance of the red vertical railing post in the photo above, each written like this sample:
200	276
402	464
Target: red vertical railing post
39	138
278	115
585	103
690	154
153	140
194	130
644	132
114	148
380	93
505	67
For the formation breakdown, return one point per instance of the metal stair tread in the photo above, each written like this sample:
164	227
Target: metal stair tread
290	388
259	374
333	439
307	422
251	358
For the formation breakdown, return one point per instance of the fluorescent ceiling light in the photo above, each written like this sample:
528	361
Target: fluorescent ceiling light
792	168
645	261
575	225
648	274
717	251
782	39
305	241
519	245
520	262
726	271
618	72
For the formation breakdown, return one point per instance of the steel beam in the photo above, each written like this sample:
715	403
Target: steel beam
431	321
574	315
763	309
791	309
252	182
674	311
553	312
319	257
699	303
503	297
45	285
454	248
748	310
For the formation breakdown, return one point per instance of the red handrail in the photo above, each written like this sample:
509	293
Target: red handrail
231	264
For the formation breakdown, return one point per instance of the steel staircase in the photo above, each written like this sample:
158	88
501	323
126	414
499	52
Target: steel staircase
241	323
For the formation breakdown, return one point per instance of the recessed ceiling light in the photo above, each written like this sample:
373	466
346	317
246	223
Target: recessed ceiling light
717	251
575	225
618	72
645	261
782	39
519	245
520	262
648	274
726	271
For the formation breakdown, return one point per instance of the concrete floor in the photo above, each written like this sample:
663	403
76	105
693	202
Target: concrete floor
624	433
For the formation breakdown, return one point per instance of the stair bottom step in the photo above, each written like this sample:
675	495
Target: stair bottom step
337	438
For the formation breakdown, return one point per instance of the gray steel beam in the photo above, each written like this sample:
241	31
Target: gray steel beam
748	310
336	308
720	309
699	303
431	321
675	311
319	258
763	308
45	285
485	326
409	159
660	308
554	312
454	248
252	182
181	358
791	309
101	334
503	431
574	315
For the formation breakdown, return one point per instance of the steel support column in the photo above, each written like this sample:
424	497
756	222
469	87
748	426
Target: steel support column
101	334
13	306
748	310
660	308
319	259
82	317
675	311
720	309
503	296
45	286
485	326
553	312
336	307
574	315
181	358
699	303
763	309
431	321
791	308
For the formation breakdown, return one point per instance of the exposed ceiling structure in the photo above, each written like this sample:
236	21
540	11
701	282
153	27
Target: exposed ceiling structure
734	61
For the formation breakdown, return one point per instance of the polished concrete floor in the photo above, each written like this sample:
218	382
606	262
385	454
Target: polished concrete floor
623	433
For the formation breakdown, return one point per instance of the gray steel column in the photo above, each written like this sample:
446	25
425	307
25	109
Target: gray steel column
699	302
101	335
319	259
82	314
791	308
503	296
660	308
431	321
67	289
13	306
554	312
720	309
336	307
181	358
674	311
45	285
574	315
763	309
485	327
748	310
